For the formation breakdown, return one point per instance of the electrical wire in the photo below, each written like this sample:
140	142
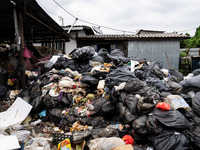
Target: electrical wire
124	31
188	29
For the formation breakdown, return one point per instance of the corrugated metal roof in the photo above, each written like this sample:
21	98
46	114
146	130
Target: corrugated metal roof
33	30
134	36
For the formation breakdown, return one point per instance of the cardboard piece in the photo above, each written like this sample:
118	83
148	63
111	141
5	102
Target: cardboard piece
9	142
15	114
123	147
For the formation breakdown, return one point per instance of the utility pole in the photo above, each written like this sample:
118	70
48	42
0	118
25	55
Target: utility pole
61	19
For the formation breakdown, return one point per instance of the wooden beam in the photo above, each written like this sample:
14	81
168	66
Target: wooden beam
48	27
53	46
21	59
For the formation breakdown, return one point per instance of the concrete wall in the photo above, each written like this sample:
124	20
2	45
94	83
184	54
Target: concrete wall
70	46
155	51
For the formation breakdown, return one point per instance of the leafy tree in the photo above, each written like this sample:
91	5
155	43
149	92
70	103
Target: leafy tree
193	41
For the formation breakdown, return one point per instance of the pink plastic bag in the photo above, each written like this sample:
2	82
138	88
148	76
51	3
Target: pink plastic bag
27	53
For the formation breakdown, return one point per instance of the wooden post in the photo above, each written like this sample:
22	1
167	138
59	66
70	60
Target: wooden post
22	76
53	46
63	46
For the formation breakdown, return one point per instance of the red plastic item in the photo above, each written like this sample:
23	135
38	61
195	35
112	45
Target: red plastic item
128	139
163	106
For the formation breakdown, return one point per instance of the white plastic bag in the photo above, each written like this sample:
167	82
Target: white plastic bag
105	143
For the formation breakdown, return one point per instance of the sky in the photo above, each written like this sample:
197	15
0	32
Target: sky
127	16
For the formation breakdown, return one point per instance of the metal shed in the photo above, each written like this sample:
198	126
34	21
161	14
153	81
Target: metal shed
153	46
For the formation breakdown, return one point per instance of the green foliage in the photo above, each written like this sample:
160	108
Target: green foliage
193	42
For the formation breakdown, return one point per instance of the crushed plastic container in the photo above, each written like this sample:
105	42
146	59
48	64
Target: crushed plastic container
176	101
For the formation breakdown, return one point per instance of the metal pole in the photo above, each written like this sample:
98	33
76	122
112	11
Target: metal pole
72	25
17	37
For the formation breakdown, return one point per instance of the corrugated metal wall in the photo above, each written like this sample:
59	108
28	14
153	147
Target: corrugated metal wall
155	51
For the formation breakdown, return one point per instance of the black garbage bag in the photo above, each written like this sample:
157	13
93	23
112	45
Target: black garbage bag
97	58
97	103
177	74
103	107
67	99
61	63
153	126
107	108
100	75
154	70
108	132
84	120
35	91
83	53
151	95
134	85
84	66
90	80
70	118
118	76
125	114
122	96
141	74
103	53
196	103
172	118
37	105
144	107
3	91
50	102
189	115
187	98
114	95
55	115
80	136
194	140
192	82
139	147
72	64
131	102
97	122
159	84
140	124
175	87
172	140
44	80
196	72
117	56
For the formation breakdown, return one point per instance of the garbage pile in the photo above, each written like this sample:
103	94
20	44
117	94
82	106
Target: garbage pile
106	101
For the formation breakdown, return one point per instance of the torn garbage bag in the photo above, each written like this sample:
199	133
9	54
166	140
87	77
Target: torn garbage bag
175	73
159	84
153	126
103	53
118	57
80	136
171	140
171	118
118	76
90	80
154	70
131	102
140	124
134	85
125	114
